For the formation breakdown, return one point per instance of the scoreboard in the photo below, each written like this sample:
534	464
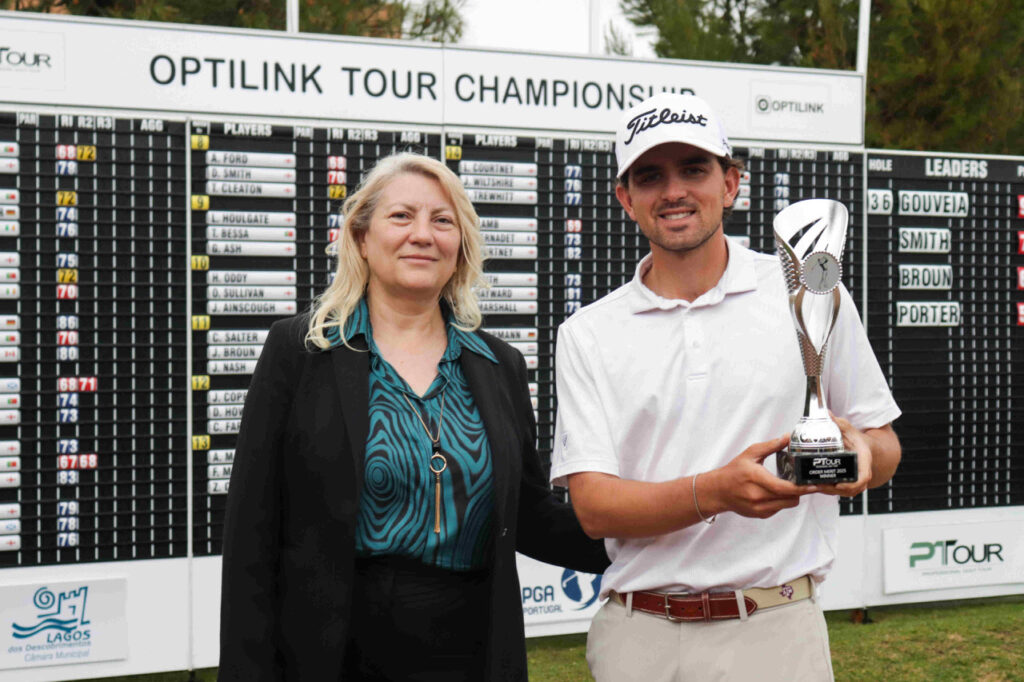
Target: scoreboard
109	297
158	215
945	312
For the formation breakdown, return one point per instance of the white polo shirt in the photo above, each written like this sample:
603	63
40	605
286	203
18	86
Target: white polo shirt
653	389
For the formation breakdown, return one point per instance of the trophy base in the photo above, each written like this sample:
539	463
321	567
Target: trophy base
814	468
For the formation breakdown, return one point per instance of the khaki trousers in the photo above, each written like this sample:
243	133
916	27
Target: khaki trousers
783	644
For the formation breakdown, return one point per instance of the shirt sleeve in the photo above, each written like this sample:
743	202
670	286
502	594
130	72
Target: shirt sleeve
855	387
583	441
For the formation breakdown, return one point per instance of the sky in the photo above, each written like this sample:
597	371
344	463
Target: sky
563	26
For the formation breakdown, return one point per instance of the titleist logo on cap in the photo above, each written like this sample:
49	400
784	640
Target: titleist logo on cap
646	120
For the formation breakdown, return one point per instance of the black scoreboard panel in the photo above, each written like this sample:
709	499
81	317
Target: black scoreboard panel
93	427
946	319
104	303
265	207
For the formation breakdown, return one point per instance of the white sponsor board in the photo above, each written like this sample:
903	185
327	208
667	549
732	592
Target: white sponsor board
224	71
953	555
556	599
60	623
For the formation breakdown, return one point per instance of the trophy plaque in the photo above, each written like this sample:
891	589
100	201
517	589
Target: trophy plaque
810	236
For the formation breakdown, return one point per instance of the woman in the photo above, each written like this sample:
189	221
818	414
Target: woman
386	470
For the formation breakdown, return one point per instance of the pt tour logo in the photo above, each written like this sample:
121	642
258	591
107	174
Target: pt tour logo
948	552
59	618
12	59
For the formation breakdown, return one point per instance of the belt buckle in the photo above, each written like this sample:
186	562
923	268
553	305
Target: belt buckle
669	596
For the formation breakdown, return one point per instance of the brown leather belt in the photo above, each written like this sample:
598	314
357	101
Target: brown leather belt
709	606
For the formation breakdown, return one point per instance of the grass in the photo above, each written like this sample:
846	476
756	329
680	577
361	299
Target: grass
967	641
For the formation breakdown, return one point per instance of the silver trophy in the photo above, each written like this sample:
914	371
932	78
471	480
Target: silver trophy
809	236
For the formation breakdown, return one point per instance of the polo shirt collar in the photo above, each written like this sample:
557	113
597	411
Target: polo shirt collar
740	275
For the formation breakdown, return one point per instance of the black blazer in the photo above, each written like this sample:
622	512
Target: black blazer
289	528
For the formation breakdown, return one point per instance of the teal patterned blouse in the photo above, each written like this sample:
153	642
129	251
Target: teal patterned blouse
396	510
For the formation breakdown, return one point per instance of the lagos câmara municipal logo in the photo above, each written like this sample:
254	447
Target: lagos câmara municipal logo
60	617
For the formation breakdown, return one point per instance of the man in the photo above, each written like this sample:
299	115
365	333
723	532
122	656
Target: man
673	390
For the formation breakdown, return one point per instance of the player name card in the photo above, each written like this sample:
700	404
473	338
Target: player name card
499	196
510	238
9	149
10	527
939	204
925	240
508	307
10	354
526	348
10	510
511	279
250	189
250	218
252	293
10	463
224	411
497	168
10	416
256	234
224	426
250	174
220	456
233	352
218	471
10	479
935	277
511	252
10	447
237	277
10	259
227	397
10	212
10	543
509	224
250	248
10	400
10	228
276	308
499	182
512	334
508	293
231	367
10	275
264	159
236	336
217	486
531	363
10	166
928	314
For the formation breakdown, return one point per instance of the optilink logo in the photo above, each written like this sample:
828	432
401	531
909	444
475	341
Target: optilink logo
947	550
23	61
763	104
61	617
580	591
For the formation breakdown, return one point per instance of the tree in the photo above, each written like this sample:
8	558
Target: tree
819	33
943	75
946	75
438	20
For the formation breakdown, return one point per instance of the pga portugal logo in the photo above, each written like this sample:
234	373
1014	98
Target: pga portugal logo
60	618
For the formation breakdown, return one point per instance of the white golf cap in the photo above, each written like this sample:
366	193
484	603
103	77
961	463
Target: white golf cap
668	117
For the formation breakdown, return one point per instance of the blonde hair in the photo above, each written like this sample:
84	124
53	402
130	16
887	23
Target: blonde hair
334	306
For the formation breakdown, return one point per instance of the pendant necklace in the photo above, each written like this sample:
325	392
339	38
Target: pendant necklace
438	462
